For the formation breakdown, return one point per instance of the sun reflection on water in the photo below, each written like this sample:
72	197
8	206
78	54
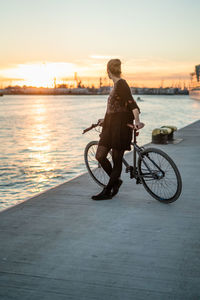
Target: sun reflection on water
40	137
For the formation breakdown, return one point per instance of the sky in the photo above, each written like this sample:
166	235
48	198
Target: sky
157	41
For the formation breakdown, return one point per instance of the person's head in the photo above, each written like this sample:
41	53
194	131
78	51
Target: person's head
114	68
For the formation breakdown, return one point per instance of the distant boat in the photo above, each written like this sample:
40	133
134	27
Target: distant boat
194	90
139	99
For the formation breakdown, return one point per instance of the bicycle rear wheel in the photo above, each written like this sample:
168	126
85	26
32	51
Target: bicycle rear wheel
159	175
93	166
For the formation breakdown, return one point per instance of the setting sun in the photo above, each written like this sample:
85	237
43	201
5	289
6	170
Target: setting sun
40	74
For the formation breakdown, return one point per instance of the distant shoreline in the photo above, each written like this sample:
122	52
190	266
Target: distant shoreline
103	90
89	94
43	94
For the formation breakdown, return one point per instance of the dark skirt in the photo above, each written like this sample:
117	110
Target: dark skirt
115	133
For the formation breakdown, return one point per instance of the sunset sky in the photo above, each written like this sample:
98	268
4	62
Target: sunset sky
157	41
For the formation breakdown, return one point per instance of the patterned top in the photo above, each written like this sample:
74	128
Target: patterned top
120	98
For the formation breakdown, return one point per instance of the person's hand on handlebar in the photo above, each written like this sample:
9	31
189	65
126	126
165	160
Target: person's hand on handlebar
100	122
137	125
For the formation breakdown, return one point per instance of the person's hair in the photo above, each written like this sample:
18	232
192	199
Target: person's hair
114	66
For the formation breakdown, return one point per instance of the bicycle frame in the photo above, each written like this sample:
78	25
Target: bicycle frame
133	169
136	150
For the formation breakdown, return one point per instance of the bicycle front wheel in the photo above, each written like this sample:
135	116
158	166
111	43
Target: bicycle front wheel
93	166
159	175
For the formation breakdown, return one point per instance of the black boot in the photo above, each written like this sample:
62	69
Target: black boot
104	195
116	187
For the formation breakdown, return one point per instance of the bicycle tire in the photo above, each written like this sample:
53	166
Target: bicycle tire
149	155
93	166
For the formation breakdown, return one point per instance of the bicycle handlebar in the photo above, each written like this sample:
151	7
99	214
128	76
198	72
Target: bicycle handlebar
90	128
97	124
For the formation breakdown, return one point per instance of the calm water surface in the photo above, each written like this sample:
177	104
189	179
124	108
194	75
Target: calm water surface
41	141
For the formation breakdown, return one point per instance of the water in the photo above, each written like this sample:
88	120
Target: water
41	141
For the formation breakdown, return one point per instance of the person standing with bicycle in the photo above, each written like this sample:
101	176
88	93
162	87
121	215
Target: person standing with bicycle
117	125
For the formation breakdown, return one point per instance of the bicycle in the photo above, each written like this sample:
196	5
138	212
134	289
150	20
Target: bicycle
154	169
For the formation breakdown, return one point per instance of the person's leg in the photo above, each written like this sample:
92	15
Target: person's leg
117	156
101	156
114	182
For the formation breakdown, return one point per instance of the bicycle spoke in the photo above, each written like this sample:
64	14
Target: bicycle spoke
94	167
158	174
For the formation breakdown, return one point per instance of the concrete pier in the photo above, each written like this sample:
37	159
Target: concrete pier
63	245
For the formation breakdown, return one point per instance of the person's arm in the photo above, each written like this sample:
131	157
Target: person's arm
137	124
124	94
135	110
136	114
